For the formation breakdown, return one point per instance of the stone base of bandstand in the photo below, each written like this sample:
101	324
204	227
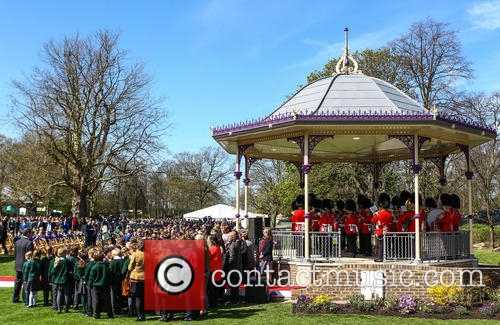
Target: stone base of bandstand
362	276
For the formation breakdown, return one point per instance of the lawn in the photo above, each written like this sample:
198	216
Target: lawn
270	313
486	256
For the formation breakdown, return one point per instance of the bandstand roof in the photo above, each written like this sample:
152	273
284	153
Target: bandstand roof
350	117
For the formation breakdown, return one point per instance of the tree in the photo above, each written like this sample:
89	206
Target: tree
381	63
199	180
485	159
92	114
273	187
32	176
5	148
431	59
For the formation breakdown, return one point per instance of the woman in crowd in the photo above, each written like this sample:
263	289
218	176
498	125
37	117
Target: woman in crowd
266	253
136	269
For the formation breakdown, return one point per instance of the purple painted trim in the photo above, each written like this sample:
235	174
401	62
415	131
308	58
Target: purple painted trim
469	175
246	215
306	168
306	216
237	174
470	216
246	181
417	216
348	115
416	168
237	215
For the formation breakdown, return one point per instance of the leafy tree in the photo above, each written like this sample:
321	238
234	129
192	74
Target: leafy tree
32	177
381	63
89	111
274	186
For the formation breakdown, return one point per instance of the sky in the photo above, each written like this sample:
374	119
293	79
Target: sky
218	62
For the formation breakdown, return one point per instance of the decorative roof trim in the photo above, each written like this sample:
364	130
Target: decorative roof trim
348	115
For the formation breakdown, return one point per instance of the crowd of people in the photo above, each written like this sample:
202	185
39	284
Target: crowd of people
86	271
81	264
359	220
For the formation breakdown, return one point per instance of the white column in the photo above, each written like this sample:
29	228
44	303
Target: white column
237	175
469	188
306	196
417	205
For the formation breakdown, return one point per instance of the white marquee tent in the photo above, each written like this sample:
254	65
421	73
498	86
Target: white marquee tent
219	211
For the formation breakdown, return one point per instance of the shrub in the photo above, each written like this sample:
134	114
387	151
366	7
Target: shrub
488	310
443	294
389	303
462	311
429	307
321	302
476	292
331	307
323	299
442	309
303	301
367	305
359	302
355	300
495	295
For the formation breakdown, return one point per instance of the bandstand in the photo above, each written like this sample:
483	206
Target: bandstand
351	117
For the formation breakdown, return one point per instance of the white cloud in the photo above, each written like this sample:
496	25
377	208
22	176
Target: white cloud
485	15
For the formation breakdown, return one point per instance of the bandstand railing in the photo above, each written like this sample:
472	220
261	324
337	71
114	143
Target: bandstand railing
398	246
434	246
325	246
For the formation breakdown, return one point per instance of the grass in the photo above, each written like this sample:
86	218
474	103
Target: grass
487	257
7	265
268	314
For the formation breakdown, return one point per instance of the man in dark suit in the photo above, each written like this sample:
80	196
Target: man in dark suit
21	246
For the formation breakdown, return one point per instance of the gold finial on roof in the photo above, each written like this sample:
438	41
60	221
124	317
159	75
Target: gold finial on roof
343	64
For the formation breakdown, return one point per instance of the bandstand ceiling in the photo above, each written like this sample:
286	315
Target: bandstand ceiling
351	118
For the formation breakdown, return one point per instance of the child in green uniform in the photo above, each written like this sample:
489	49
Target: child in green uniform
99	283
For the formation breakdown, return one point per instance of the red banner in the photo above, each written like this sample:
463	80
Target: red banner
174	276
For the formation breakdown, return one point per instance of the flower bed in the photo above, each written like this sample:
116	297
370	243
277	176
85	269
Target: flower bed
448	302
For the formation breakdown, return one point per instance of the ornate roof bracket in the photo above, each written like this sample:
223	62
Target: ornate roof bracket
249	161
375	169
314	140
465	149
409	141
241	151
439	162
301	173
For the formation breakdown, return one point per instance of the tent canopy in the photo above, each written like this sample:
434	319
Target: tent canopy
218	211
